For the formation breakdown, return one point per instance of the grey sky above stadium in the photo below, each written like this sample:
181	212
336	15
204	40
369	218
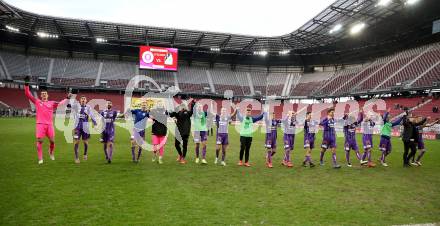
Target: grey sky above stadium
250	17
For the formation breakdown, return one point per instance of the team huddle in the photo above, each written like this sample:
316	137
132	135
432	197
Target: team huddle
194	116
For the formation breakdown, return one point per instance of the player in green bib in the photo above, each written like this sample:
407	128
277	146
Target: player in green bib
246	132
385	136
200	118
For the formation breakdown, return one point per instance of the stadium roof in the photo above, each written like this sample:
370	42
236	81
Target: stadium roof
314	37
247	17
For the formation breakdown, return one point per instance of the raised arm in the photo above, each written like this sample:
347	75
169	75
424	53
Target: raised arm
28	94
360	118
258	118
324	122
68	96
432	123
192	105
266	118
421	122
55	103
239	116
234	112
398	121
385	116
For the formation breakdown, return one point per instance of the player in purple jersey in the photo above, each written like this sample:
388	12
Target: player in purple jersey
108	135
138	136
421	142
329	138
222	139
81	113
271	137
350	125
367	140
311	127
289	127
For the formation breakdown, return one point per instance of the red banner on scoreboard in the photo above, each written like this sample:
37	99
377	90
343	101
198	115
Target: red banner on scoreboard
158	58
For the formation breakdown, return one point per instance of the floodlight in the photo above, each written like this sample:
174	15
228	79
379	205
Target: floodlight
101	40
411	2
357	28
261	53
336	28
383	2
284	52
11	28
46	35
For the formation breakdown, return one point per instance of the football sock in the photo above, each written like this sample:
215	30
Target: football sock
51	147
364	155
358	155
40	150
110	152
217	152
306	158
321	157
334	159
133	155
382	158
287	155
204	151
86	147
347	156
197	150
105	151
139	153
420	155
76	150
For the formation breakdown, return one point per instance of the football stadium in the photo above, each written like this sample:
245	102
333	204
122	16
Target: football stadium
321	112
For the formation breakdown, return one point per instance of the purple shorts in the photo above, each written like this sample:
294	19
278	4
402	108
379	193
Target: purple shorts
328	142
421	145
309	141
351	145
222	138
200	136
289	140
271	140
80	134
385	144
108	137
367	141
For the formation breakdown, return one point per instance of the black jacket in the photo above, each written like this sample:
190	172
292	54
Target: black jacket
410	132
159	127
183	121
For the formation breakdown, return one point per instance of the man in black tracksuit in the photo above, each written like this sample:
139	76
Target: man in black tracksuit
183	122
410	137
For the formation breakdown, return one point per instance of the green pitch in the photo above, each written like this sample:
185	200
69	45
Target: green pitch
94	193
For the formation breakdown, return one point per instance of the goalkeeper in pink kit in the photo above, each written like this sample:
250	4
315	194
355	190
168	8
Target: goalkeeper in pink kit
44	115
